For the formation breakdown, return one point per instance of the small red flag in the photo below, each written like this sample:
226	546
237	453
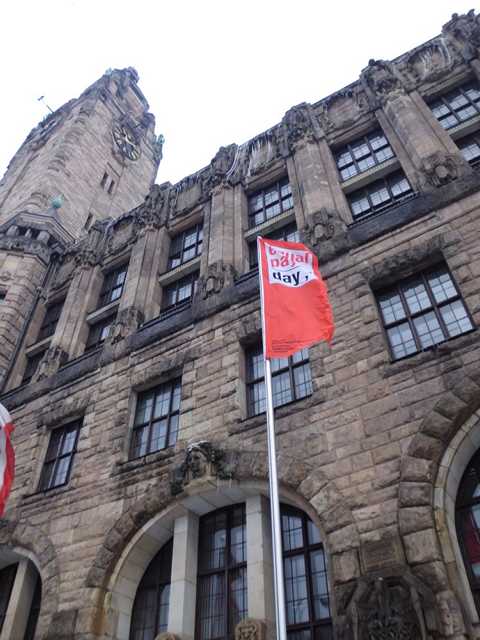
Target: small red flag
296	309
7	457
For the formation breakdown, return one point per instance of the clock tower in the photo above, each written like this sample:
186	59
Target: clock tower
95	157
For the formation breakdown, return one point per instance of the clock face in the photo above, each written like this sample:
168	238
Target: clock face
125	140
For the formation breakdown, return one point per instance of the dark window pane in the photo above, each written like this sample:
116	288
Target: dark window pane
112	286
60	454
363	154
185	246
269	203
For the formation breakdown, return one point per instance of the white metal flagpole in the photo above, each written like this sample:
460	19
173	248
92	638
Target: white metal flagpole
280	617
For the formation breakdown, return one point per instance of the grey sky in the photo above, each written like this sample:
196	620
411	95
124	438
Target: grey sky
213	72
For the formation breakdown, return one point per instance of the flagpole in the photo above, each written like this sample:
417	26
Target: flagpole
278	583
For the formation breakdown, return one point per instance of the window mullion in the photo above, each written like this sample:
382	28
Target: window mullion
409	318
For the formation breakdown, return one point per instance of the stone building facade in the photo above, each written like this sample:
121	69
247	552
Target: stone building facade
131	365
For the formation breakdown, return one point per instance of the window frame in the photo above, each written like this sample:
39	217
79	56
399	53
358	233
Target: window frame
409	317
455	93
92	342
382	182
109	285
49	324
226	570
274	186
179	238
251	380
30	370
177	284
156	391
62	432
357	143
462	504
305	551
468	139
159	558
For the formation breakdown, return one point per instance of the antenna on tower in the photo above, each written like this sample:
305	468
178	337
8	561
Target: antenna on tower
42	99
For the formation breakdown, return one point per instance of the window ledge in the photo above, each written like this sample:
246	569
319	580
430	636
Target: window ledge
34	348
29	498
252	422
182	270
124	466
103	312
370	175
464	128
441	350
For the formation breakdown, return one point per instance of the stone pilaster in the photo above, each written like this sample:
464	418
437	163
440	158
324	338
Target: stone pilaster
181	615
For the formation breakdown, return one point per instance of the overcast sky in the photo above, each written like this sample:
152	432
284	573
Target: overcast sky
214	72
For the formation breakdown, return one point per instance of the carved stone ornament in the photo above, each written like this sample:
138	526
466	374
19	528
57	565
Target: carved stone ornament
150	213
301	124
430	62
218	276
327	234
126	323
441	168
464	33
53	359
389	607
64	271
121	235
219	168
250	629
382	80
343	108
202	460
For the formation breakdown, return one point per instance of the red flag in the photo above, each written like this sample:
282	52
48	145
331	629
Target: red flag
7	457
296	308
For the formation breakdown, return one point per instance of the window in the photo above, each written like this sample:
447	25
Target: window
222	573
470	148
150	608
179	292
269	203
185	246
362	154
288	233
112	287
50	320
59	459
104	180
306	584
459	105
467	516
156	419
32	364
379	195
7	578
291	379
99	332
423	311
3	295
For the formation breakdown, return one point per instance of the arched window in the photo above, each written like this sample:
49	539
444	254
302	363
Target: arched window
468	523
150	609
306	583
222	573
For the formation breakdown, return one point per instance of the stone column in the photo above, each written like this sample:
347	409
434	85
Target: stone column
72	330
20	602
141	293
183	589
259	562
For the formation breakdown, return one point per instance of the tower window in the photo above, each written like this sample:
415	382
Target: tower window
110	186
422	311
103	182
